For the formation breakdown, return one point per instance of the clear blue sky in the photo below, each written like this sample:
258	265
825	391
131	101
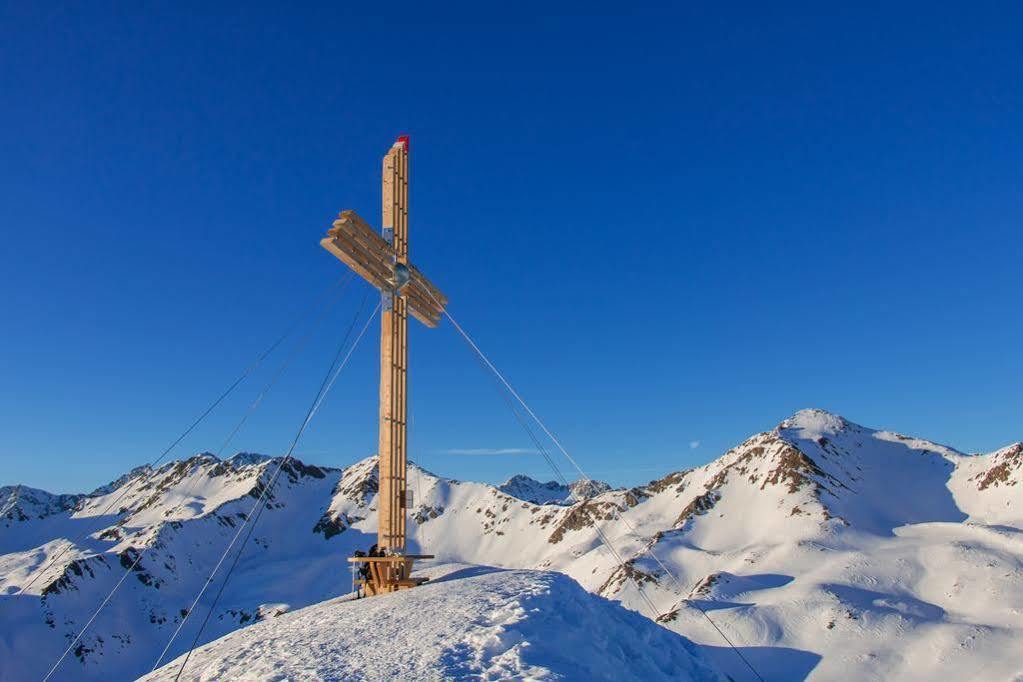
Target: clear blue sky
667	226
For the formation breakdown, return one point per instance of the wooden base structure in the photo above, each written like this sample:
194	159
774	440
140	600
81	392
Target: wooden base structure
388	573
383	261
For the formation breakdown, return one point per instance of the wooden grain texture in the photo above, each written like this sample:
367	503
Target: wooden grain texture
393	363
373	257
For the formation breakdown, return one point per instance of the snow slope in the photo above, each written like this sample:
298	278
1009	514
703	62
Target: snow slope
822	548
470	623
182	516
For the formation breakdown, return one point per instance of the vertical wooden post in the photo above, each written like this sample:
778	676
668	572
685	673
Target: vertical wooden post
394	358
376	259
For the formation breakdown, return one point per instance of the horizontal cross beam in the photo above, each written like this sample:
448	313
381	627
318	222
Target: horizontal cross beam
356	244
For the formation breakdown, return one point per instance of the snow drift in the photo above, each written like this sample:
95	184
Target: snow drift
471	623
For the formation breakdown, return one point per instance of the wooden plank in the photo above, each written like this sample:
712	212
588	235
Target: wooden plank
400	423
401	245
422	308
428	321
372	252
396	558
343	256
392	470
422	300
419	278
352	223
385	501
426	317
380	267
375	559
378	274
377	575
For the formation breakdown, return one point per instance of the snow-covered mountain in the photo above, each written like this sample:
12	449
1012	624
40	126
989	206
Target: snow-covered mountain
820	548
20	503
531	490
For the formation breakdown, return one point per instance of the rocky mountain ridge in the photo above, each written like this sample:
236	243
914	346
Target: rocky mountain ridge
811	542
529	489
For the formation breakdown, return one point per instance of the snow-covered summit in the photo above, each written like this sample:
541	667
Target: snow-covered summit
243	458
21	503
470	623
531	490
816	421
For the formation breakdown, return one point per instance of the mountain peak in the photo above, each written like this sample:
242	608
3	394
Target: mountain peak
523	479
528	489
243	458
138	471
19	502
817	421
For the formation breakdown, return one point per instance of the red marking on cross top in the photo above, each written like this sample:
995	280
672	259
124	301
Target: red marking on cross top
404	140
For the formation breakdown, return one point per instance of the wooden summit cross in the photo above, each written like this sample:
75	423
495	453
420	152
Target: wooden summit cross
383	262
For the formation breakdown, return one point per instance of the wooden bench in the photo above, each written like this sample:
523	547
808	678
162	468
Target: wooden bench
389	573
